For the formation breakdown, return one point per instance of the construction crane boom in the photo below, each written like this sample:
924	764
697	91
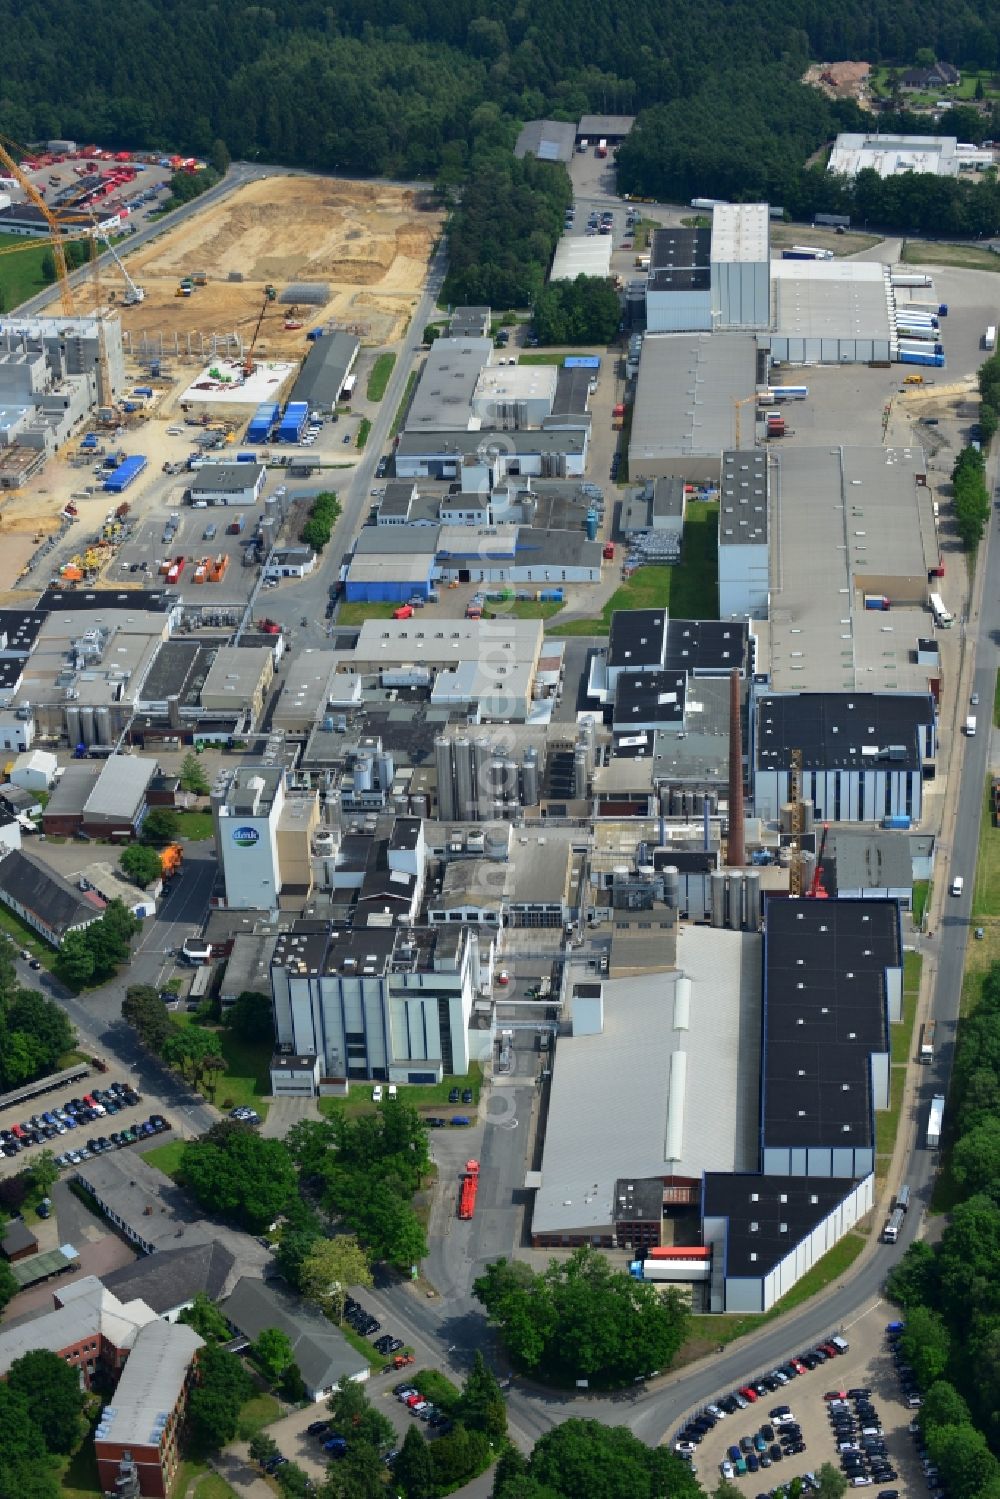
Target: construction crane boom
817	890
248	366
55	229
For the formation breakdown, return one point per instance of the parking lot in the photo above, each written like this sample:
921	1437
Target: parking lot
865	1421
109	1116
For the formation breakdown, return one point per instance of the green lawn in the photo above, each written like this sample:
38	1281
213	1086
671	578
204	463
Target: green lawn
379	377
364	429
78	1477
428	1096
26	937
359	1344
996	703
196	1480
968	257
540	358
248	1080
690	590
887	1120
256	1413
522	609
986	891
167	1158
921	895
902	1034
356	614
404	406
195	826
438	1389
21	272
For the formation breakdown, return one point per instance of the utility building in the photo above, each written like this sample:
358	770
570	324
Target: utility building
741	266
743	536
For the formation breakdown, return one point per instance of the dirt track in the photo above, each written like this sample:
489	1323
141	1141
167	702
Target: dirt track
367	242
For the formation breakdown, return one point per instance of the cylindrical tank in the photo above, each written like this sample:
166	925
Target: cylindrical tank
808	865
590	736
495	779
482	755
686	803
784	856
102	725
363	771
809	817
699	803
591	525
751	882
665	801
672	886
580	773
718	883
87	725
73	725
510	781
676	801
465	801
445	788
418	805
786	816
386	766
713	803
529	777
734	914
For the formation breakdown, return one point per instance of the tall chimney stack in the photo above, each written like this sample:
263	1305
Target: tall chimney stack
736	851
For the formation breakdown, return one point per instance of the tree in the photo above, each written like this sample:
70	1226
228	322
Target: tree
193	777
329	1267
219	157
584	311
925	1344
355	1416
8	1285
725	1490
975	1161
832	1484
608	1462
359	1474
143	1009
963	1458
262	1446
44	1174
74	962
482	1406
292	1385
160	826
48	267
141	864
943	1406
913	1281
582	1319
413	1471
273	1352
250	1017
206	1319
238	1174
455	1458
214	1407
294	1481
431	332
53	1395
194	1053
292	1253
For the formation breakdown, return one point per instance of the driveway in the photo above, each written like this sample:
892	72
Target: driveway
283	1113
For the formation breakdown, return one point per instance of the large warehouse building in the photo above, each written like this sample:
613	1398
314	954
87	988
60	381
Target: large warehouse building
831	312
686	409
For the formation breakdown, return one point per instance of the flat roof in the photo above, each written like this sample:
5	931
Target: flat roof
540	871
582	255
403	641
890	154
741	232
707	646
825	1014
549	140
842	299
237	669
455	445
326	367
688	383
230	478
178	669
842	730
403	540
517	382
767	1216
442	401
611	1101
401	569
743	499
701	753
867	858
637	638
852	520
643	697
605	125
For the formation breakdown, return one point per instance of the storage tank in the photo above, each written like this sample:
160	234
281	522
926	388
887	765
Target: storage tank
580	772
419	805
734	913
482	753
718	888
510	781
753	911
530	778
87	725
445	790
465	801
672	886
591	525
72	725
363	771
664	801
102	726
386	767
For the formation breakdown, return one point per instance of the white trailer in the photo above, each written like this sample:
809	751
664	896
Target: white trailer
990	337
935	1121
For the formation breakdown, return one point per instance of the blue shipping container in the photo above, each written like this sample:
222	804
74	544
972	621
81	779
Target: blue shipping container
246	457
902	824
581	362
125	474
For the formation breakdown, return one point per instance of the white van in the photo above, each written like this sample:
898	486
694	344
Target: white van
970	725
958	884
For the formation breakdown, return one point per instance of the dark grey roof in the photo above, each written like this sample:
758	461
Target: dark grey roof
326	367
825	1013
843	730
19	630
637	638
139	600
549	140
49	898
768	1215
572	392
611	127
17	1236
11	672
637	1199
179	670
322	1353
743	499
172	1277
679	259
648	697
704	646
231	478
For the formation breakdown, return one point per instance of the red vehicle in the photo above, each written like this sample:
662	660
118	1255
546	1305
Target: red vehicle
403	612
609	551
468	1190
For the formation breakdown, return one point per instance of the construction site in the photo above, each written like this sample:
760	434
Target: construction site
356	252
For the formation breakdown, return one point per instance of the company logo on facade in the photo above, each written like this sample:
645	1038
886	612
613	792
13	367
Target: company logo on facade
246	837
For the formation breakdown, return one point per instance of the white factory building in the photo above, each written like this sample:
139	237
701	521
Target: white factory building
831	312
701	279
694	398
246	826
892	155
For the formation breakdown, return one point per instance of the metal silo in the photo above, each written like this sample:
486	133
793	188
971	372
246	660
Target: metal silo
672	886
465	799
445	787
530	778
735	912
580	772
753	901
718	883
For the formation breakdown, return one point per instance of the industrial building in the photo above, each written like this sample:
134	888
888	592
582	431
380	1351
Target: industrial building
327	365
582	255
744	580
686	410
548	140
72	347
517	554
850	564
442	401
378	1002
391	565
612	128
679	282
831	312
263	837
227	484
892	155
510	396
46	902
741	266
552	452
863	753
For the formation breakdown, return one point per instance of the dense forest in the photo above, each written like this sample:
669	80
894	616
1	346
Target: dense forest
400	89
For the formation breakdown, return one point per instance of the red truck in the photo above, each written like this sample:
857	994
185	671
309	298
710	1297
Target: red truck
468	1190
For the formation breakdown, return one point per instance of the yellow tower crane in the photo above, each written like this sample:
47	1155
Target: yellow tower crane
798	822
55	228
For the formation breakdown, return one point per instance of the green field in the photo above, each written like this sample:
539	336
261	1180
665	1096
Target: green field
167	1158
966	257
690	590
522	609
963	92
356	614
364	429
986	892
248	1080
195	826
540	358
379	377
21	272
420	1095
404	406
